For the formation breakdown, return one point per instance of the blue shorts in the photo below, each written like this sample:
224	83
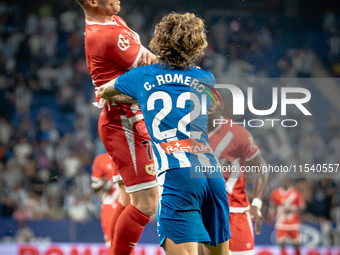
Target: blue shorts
192	209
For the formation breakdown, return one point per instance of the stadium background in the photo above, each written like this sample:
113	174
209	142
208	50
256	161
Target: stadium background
48	126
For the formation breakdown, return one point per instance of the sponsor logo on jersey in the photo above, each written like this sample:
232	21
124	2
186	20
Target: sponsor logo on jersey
187	145
123	43
150	169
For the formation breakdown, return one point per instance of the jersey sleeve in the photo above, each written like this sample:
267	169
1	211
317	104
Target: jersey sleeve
128	83
248	149
122	47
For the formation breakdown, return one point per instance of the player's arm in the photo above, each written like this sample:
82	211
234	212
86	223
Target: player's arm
126	51
127	83
249	150
261	181
123	99
147	58
108	90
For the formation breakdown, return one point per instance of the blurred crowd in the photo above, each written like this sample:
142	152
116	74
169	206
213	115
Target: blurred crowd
331	27
48	132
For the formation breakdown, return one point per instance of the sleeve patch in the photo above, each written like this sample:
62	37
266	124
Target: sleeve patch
123	43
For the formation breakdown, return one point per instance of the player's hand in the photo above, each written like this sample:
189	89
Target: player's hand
147	58
256	216
106	91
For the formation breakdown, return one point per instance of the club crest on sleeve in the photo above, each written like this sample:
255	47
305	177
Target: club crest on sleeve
123	43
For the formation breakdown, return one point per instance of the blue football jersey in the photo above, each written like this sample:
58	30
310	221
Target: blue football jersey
174	103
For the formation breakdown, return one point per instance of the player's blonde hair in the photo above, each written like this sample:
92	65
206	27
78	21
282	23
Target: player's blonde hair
179	39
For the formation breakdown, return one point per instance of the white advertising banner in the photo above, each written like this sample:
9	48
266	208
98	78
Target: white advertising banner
152	249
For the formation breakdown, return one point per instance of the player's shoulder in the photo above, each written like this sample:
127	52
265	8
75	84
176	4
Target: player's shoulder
274	195
145	69
295	190
276	192
119	19
203	74
102	31
101	157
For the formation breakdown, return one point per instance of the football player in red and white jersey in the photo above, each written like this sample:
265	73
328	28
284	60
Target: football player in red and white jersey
111	49
288	203
234	145
104	181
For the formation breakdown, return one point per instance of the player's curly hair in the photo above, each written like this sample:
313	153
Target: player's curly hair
179	39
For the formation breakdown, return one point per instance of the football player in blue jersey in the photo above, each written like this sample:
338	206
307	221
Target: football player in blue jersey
174	96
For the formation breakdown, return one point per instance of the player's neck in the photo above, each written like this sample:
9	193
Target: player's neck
93	16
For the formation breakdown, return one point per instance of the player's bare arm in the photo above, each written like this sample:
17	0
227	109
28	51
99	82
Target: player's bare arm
107	91
123	99
261	181
147	58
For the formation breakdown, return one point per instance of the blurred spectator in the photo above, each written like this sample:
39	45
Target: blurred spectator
48	23
18	194
136	19
47	76
11	176
334	47
67	20
334	147
22	150
329	21
49	44
31	24
35	44
62	149
65	98
336	218
55	207
78	211
35	206
83	182
24	233
67	71
265	37
321	206
333	124
48	133
6	131
71	167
